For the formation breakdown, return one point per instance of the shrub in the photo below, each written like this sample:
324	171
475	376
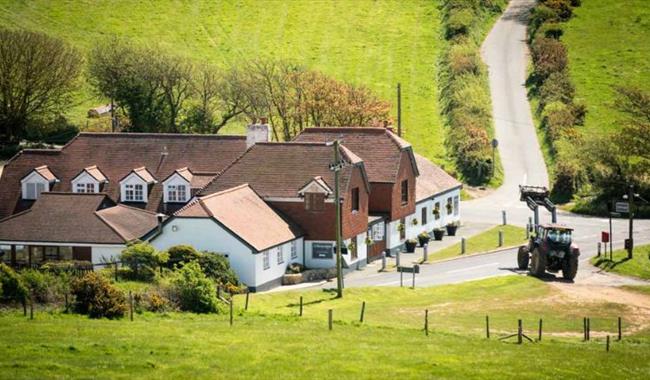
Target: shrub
556	88
67	266
218	268
569	172
562	8
557	119
295	268
143	260
549	56
540	15
459	21
194	290
38	284
96	297
551	30
464	58
182	254
13	287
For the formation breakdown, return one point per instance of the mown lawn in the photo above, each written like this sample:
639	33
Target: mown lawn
377	44
608	46
483	242
638	266
270	341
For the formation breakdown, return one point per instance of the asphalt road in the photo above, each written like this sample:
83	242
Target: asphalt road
506	54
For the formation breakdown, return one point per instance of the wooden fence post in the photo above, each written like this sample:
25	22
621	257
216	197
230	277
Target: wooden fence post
519	332
584	329
426	322
131	305
607	349
363	310
588	328
300	306
620	329
539	333
247	295
329	318
67	305
24	302
413	284
487	327
230	305
116	271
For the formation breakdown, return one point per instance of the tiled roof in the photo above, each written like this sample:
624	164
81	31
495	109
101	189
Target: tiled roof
379	148
145	175
77	218
44	172
97	174
282	169
432	180
246	215
117	154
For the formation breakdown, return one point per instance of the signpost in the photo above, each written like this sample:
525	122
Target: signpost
414	269
495	144
336	167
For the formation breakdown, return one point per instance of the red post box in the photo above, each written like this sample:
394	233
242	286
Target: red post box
604	237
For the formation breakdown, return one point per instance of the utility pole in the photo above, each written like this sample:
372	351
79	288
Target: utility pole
113	119
630	247
336	167
399	109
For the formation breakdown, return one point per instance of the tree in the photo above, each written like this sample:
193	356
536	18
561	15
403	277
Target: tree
174	78
38	74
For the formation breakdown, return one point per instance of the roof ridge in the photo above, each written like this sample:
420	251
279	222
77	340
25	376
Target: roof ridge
131	208
271	143
73	193
228	190
163	135
109	225
344	128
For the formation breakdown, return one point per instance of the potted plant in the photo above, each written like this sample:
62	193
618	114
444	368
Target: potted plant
450	208
369	241
401	227
410	245
438	233
414	221
423	238
351	247
451	229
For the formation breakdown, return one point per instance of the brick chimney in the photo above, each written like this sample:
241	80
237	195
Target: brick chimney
257	132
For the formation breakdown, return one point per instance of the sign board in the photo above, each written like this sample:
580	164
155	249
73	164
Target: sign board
322	250
622	207
604	237
413	269
628	243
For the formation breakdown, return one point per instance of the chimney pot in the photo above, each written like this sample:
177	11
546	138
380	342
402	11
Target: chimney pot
256	133
264	120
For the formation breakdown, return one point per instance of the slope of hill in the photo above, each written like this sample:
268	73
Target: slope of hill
373	43
608	46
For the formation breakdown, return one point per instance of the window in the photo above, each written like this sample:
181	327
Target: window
134	193
314	202
405	192
436	210
378	231
424	216
280	255
402	229
85	188
450	206
176	193
34	190
456	201
355	199
294	249
266	262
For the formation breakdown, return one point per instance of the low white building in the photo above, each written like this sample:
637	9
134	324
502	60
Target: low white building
258	242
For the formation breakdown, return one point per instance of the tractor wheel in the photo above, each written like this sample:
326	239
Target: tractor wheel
523	257
570	268
538	263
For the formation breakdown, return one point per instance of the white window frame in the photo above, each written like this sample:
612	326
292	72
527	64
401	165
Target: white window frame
134	192
280	253
33	185
85	187
176	193
294	250
266	260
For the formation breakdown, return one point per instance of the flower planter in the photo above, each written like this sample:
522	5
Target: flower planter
410	246
423	240
451	229
438	234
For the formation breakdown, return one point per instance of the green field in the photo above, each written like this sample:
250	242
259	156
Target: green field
608	46
271	341
638	266
483	242
377	44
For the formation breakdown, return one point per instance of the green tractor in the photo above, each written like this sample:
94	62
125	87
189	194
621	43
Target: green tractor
550	248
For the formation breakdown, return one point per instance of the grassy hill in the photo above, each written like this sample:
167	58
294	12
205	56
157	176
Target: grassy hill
608	46
373	43
271	341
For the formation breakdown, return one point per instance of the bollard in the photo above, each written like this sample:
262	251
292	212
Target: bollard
598	254
463	245
426	322
503	216
397	257
383	261
527	231
401	278
329	318
426	252
363	310
530	221
500	238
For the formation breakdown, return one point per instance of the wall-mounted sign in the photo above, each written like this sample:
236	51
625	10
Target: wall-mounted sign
622	207
322	250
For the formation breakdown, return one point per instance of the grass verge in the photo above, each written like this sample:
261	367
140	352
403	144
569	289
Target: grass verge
483	242
638	266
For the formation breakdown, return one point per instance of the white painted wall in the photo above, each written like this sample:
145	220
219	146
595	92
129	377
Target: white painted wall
176	180
392	234
276	270
362	253
311	262
445	218
102	254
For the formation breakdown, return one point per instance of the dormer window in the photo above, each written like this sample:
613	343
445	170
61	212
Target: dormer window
89	180
37	181
177	186
135	186
314	192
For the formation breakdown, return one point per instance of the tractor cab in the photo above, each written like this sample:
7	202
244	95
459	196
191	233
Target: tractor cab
555	235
